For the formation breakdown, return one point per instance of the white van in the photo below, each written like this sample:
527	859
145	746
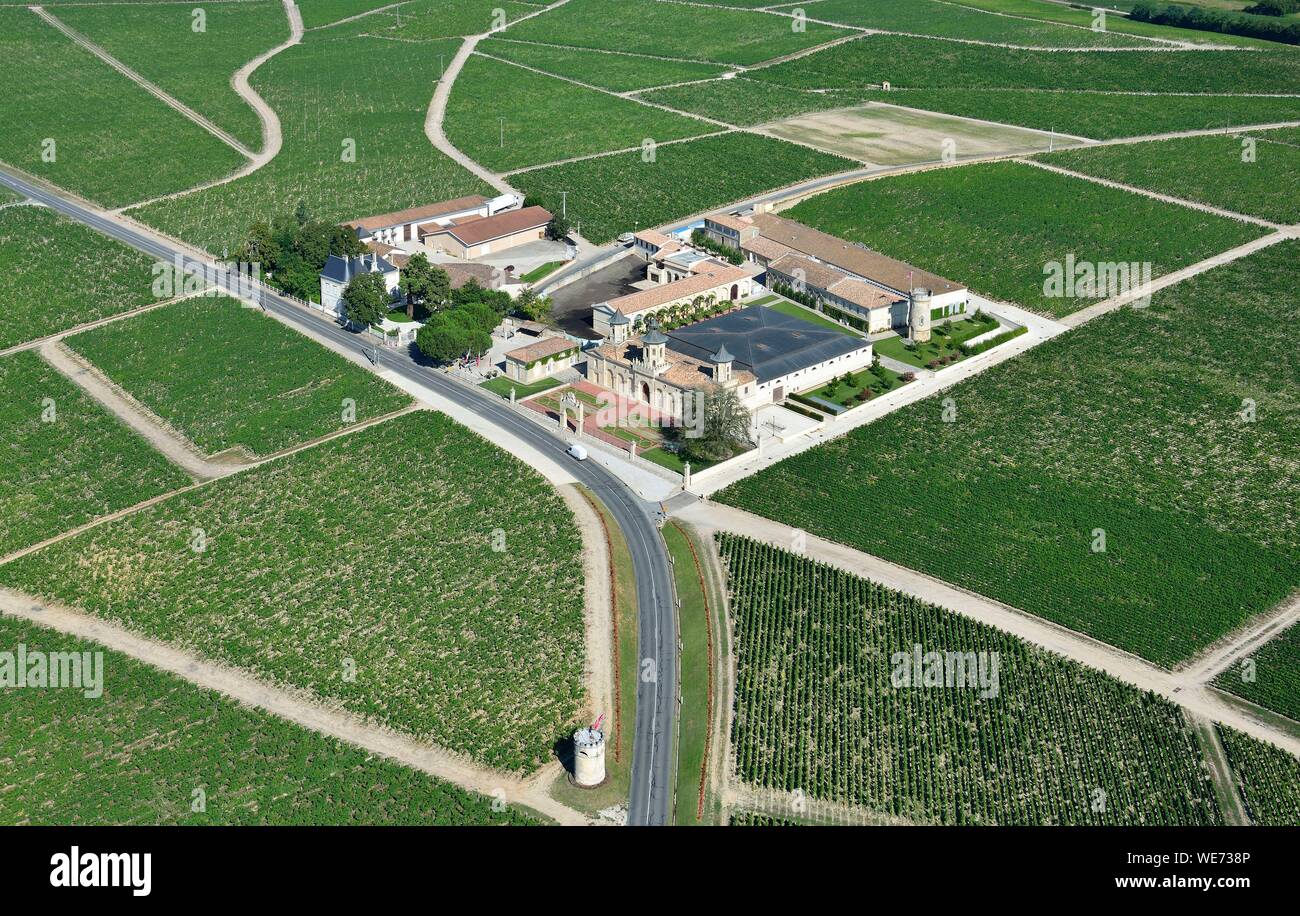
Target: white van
577	451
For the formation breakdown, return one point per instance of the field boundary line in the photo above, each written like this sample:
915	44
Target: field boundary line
272	133
355	17
152	88
597	597
1181	45
616	152
237	469
1039	631
1207	666
98	322
1231	805
552	44
1154	195
292	704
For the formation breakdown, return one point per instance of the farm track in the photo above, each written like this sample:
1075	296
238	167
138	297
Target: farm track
152	88
272	135
299	708
1174	686
1225	782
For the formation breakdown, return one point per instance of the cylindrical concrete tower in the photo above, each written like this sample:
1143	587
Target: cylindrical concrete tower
589	756
918	320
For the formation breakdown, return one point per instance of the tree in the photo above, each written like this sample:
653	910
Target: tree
533	306
259	247
367	298
558	228
424	283
723	426
447	336
301	213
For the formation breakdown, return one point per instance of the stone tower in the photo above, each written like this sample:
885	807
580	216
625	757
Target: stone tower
918	320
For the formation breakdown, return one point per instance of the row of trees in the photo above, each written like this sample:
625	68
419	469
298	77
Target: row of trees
292	249
1268	27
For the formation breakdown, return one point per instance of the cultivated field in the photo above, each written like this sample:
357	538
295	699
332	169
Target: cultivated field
111	141
673	30
63	460
910	63
623	193
56	274
547	119
362	571
319	13
947	20
427	19
893	136
997	226
821	707
333	101
139	753
1275	669
1128	434
228	377
1255	173
159	42
1269	779
606	69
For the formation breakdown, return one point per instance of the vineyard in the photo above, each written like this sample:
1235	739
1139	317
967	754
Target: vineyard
423	20
56	274
819	709
672	30
159	42
137	754
63	460
998	225
917	63
112	141
319	13
227	376
607	69
1130	426
1269	779
1253	173
334	103
946	20
547	119
362	571
1275	669
623	193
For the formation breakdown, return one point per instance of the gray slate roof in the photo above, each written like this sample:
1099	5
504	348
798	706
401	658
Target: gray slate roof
342	270
766	342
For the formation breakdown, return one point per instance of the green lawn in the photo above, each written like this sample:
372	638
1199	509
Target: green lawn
330	572
877	380
74	466
672	30
331	94
547	119
502	385
1252	173
138	754
229	377
545	270
158	41
623	193
72	120
1000	226
56	274
607	69
943	345
785	306
1270	676
1129	429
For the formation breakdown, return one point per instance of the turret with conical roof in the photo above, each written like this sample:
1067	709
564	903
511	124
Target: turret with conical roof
619	325
652	348
722	361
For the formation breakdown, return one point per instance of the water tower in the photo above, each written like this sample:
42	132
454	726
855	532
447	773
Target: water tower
589	755
918	322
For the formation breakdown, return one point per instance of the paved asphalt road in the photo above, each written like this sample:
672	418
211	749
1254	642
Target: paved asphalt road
651	792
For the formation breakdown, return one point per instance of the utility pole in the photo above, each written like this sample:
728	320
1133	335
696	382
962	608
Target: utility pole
564	204
503	130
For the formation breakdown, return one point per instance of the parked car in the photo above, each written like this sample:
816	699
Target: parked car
626	238
578	452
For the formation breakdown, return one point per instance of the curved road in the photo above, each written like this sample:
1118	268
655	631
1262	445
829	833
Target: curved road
656	706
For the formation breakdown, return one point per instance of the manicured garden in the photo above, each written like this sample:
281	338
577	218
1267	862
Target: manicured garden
72	120
64	461
1000	226
854	388
1130	479
365	572
229	377
502	385
155	749
944	346
821	707
56	274
623	193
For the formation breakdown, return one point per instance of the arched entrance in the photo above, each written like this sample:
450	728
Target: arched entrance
735	291
645	392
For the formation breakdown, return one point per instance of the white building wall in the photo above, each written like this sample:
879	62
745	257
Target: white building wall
812	377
